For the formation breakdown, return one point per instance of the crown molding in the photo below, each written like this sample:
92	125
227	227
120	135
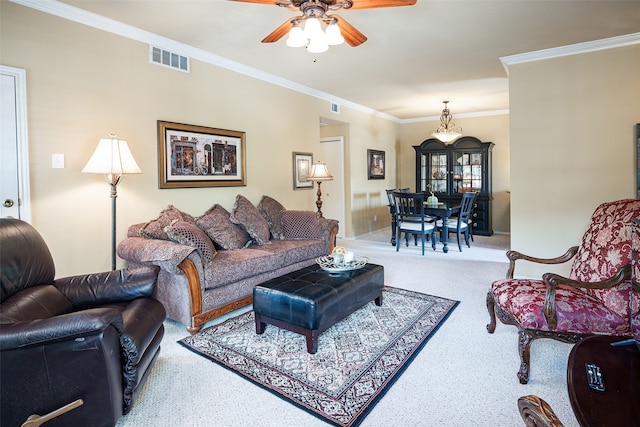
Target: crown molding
573	49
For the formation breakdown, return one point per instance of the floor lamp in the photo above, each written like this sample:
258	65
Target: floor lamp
113	159
319	173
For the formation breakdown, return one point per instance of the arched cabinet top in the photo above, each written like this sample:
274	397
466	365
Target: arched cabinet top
460	143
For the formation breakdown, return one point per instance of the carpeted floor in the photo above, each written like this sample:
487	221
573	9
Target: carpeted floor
357	361
464	376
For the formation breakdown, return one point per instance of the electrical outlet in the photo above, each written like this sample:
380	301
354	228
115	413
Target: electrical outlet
375	218
57	161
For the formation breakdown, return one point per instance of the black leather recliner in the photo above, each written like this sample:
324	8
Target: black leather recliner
86	341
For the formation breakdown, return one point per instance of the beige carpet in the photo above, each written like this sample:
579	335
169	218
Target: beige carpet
463	377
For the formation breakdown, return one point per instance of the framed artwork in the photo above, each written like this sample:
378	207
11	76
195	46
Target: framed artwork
199	156
375	160
301	168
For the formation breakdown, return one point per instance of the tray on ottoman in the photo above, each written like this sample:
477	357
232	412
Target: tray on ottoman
310	300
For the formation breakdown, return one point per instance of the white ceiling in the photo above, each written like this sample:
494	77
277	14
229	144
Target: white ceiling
415	57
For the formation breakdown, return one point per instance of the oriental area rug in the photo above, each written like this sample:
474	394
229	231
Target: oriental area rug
358	359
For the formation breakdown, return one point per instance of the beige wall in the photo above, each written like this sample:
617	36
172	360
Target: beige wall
491	129
83	84
572	146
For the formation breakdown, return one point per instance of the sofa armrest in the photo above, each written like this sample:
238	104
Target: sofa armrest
329	229
58	328
89	290
164	253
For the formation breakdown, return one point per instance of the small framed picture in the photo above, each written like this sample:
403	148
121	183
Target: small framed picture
301	168
375	159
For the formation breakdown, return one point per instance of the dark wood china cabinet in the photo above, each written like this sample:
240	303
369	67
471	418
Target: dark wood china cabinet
456	168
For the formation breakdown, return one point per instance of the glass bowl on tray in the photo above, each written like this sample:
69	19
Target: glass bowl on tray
334	264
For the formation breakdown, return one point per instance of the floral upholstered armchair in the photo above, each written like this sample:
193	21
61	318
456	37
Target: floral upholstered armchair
594	299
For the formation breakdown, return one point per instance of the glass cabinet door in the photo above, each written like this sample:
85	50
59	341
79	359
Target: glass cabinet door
467	171
434	172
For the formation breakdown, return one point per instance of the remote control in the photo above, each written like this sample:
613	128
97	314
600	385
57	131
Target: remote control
594	377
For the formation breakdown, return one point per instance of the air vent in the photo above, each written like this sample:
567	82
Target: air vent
335	108
168	59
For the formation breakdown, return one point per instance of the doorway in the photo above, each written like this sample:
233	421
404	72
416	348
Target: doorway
333	194
14	157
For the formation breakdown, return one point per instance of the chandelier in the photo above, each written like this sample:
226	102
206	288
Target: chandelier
312	36
447	130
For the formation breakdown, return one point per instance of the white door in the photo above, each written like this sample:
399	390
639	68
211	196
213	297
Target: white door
14	159
333	205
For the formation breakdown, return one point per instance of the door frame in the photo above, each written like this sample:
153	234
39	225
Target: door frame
19	76
339	163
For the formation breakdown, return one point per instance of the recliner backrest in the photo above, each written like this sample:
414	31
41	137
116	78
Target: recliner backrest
25	259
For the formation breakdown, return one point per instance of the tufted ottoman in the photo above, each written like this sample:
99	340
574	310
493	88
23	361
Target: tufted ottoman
310	300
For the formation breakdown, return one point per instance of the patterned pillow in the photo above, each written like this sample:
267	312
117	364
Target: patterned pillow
270	210
249	217
216	223
155	229
189	234
300	225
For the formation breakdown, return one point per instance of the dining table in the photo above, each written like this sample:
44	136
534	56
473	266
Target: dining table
443	210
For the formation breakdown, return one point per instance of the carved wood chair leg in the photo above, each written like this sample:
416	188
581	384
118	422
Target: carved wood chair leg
524	347
537	413
491	306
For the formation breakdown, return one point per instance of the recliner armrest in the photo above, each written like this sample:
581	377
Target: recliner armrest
90	290
58	328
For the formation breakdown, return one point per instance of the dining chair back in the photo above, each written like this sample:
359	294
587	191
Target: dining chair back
411	218
462	223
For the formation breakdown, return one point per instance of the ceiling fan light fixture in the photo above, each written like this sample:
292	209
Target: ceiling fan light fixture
334	36
318	44
447	131
312	28
296	37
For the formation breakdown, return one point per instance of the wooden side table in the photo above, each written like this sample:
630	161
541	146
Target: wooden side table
619	404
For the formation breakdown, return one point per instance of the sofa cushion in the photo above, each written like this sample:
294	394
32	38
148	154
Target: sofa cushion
270	210
300	225
186	233
233	266
249	217
155	229
216	223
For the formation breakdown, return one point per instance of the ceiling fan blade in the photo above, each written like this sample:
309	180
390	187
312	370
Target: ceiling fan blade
278	33
372	4
352	36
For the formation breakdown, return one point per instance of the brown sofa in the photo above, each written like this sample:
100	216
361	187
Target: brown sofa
210	264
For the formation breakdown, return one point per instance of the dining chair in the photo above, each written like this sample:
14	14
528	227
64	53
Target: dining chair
462	223
411	218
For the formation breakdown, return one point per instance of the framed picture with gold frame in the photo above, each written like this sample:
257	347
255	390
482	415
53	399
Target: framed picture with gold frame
200	156
302	163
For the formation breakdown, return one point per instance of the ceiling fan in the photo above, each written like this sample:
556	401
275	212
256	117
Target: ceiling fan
316	11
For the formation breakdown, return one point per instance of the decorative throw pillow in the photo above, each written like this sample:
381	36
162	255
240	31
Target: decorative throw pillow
249	217
300	225
155	229
270	210
216	223
189	234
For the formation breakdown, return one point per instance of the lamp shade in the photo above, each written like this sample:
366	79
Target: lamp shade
112	157
319	172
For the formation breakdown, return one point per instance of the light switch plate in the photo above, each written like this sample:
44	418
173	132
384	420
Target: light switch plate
57	161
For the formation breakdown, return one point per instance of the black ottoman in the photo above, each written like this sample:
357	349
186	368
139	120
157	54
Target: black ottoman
310	300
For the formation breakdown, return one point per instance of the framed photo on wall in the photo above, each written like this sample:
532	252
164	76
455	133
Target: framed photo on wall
301	168
375	160
199	156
